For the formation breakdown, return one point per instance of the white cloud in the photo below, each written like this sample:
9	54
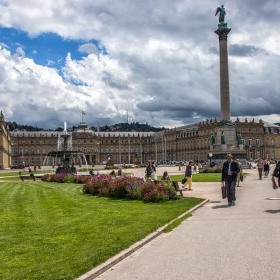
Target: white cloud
20	51
159	61
89	49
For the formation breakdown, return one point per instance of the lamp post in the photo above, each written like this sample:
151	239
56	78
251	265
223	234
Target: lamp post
210	156
137	157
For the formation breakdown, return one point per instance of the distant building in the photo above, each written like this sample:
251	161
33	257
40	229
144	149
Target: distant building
5	144
260	139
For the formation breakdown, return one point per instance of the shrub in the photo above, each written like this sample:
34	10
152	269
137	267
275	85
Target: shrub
152	192
94	183
134	189
117	188
81	179
211	170
70	179
58	178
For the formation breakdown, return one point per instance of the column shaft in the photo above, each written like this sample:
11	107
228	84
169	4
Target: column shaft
224	81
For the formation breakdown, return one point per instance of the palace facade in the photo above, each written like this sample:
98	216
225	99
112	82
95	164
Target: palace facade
260	139
5	144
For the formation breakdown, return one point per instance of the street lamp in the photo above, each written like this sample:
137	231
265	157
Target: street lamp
210	156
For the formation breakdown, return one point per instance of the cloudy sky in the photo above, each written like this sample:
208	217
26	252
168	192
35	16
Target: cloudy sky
155	61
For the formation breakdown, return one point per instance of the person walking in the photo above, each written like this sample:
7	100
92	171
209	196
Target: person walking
229	175
260	167
188	175
266	168
150	169
239	175
276	173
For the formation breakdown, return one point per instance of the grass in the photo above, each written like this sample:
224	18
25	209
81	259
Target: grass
24	172
53	231
176	222
200	177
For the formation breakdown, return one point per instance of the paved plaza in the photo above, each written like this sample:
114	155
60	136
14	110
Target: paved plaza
217	242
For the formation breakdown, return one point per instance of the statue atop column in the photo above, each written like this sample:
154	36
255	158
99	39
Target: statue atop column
222	12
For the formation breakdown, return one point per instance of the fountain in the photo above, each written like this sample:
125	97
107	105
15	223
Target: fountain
65	158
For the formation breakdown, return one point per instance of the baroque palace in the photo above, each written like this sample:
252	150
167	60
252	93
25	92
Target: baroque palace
5	144
260	139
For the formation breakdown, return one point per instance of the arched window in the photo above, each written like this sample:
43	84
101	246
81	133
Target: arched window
250	142
257	142
251	155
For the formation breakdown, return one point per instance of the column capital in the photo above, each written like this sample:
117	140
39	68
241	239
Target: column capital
222	31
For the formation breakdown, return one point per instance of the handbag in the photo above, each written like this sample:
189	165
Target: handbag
241	177
184	180
224	191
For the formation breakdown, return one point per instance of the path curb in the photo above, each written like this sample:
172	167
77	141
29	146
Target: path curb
98	270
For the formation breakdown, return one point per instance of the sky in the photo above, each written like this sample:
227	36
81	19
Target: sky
154	62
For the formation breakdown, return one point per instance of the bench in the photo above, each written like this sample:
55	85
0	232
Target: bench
177	188
27	177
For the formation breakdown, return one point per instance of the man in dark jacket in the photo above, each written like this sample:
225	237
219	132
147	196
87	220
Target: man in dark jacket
229	175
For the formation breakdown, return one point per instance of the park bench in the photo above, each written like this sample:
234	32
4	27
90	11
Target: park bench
177	188
28	177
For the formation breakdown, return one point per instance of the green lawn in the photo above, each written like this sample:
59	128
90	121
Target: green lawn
24	172
53	231
200	177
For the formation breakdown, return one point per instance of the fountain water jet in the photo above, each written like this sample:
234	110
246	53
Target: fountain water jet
65	157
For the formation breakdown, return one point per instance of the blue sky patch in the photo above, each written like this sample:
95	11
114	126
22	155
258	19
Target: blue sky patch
47	49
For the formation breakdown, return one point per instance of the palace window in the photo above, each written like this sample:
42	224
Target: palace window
250	142
257	142
251	154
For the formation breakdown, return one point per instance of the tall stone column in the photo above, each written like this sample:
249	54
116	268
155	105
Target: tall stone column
222	32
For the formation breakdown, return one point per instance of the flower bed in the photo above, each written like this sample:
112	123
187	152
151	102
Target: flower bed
65	178
120	187
131	188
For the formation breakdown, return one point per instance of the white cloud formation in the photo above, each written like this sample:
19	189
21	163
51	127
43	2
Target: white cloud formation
159	61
